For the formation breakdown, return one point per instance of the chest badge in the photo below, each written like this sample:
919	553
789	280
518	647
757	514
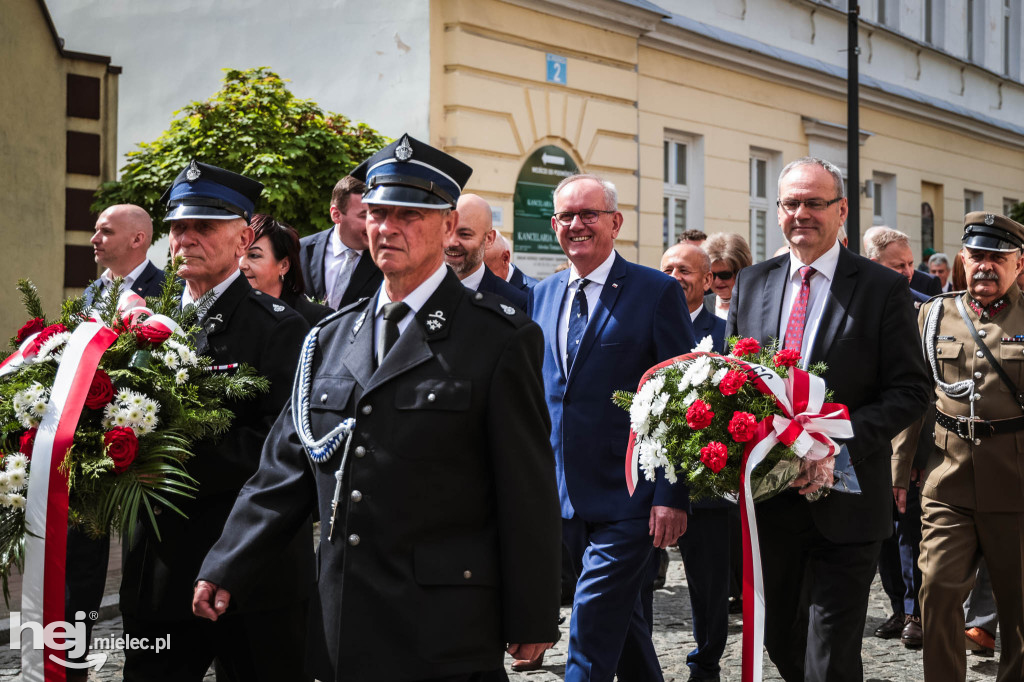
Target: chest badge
359	323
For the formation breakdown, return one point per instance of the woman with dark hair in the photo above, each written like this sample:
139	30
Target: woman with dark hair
271	264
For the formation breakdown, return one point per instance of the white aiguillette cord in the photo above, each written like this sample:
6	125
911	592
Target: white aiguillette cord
320	450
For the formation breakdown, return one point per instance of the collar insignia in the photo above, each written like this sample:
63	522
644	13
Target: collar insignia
989	218
278	308
507	309
359	323
215	318
192	173
403	152
433	325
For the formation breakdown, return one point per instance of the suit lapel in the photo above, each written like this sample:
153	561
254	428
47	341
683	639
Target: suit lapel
431	324
317	266
836	305
219	314
551	317
364	271
602	311
702	324
772	298
359	357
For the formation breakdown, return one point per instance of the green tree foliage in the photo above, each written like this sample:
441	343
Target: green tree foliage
256	127
1017	212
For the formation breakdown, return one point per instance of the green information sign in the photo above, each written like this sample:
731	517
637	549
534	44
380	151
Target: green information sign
537	251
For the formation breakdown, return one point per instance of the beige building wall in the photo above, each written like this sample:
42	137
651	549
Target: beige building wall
40	231
491	106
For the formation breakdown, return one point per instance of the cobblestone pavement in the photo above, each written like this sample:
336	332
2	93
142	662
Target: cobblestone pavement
884	660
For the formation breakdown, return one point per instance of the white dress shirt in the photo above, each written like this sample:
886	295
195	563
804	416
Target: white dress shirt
416	299
597	279
508	275
820	283
472	281
186	297
107	279
335	259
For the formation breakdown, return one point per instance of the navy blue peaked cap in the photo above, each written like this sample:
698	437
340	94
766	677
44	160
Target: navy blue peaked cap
412	173
205	192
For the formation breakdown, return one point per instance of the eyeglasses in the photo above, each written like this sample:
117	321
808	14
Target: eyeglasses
724	275
587	217
793	205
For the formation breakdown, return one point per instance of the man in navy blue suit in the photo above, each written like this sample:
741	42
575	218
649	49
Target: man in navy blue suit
465	246
705	547
498	258
606	321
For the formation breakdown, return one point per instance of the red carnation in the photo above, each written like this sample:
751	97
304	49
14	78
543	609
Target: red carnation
746	347
121	446
699	415
101	391
786	358
36	324
28	440
150	334
714	455
742	426
44	335
732	382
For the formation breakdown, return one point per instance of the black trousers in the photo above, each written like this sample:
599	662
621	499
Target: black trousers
816	594
268	645
85	578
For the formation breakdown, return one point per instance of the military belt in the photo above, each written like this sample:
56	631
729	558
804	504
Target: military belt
983	428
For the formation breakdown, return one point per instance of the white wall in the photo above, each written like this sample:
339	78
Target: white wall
367	60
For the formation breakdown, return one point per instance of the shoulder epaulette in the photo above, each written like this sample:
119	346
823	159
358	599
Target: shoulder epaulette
499	306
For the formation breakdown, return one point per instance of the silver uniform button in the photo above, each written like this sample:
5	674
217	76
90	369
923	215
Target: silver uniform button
977	441
431	397
323	398
938	351
467	574
356	496
982	333
977	375
980	354
367	409
353	539
360	451
478	296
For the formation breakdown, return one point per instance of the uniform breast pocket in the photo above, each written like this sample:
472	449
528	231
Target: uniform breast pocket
949	355
329	400
450	395
1011	357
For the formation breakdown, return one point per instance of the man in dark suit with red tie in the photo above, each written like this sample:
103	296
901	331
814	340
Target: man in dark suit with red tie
818	559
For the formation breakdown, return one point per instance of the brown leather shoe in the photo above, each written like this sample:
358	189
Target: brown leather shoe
892	627
524	666
911	635
980	642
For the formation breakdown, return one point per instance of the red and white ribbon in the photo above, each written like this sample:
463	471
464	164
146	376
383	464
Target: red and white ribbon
809	426
46	509
134	313
26	351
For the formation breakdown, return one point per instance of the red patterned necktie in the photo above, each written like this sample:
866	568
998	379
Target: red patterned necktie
798	315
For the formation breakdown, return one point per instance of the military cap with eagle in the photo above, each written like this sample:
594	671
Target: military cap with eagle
992	232
412	173
205	192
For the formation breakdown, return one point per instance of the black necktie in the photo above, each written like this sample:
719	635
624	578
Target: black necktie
577	323
393	314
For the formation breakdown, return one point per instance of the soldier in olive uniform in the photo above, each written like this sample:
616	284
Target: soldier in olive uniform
209	210
440	530
973	484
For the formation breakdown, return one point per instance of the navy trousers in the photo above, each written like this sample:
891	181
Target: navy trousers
609	634
706	559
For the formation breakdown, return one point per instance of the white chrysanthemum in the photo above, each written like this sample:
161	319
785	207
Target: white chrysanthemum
690	398
134	415
193	359
28	421
640	410
142	429
16	479
16	462
653	456
110	409
38	408
705	346
181	376
5	500
172	360
124	395
16	501
151	407
149	420
121	418
659	404
719	375
108	422
3	481
52	344
136	400
698	371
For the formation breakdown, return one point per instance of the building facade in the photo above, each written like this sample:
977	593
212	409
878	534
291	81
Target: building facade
691	108
58	142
